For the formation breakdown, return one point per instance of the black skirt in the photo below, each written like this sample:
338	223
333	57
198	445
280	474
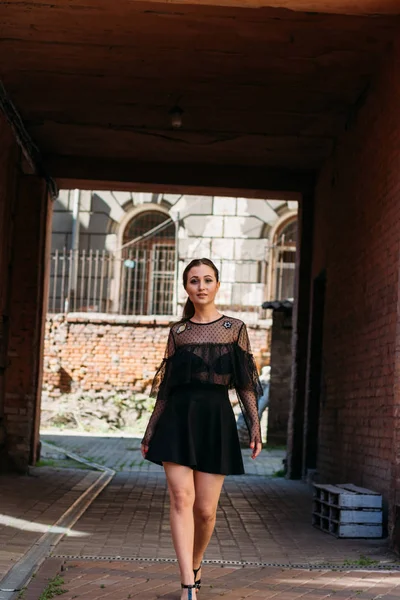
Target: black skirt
198	429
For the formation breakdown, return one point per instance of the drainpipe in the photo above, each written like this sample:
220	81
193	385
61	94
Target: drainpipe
73	278
175	300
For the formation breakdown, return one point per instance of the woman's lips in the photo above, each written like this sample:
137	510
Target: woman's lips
202	295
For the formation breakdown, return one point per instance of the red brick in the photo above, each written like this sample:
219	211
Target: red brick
126	355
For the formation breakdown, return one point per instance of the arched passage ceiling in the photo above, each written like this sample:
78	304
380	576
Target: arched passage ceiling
265	89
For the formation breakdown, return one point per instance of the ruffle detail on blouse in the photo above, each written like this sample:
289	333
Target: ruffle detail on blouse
221	364
245	372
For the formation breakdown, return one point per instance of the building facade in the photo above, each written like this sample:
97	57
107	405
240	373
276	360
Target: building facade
116	271
124	253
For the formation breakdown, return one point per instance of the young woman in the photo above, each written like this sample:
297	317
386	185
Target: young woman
192	430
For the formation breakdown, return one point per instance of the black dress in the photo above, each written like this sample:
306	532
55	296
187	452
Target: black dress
193	423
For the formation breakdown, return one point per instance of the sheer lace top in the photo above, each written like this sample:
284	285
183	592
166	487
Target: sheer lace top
217	352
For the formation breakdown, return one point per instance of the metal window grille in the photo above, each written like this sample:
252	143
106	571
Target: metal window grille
80	281
147	282
285	262
146	274
84	282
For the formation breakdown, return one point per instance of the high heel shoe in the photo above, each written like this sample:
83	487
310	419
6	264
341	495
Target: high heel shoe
189	588
198	582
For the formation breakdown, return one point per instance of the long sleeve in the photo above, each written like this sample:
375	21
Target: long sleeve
159	389
247	384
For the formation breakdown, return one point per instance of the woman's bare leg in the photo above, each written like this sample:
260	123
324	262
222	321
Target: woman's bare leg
207	492
182	494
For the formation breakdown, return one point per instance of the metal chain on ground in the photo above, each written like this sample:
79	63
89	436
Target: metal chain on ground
239	563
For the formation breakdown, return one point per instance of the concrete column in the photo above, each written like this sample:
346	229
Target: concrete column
301	320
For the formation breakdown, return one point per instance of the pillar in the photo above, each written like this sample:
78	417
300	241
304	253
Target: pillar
281	369
301	320
26	227
9	155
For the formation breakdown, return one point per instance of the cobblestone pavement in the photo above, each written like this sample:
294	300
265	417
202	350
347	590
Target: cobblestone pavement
259	519
37	501
263	522
123	454
95	580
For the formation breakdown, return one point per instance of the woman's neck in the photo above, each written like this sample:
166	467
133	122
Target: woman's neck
206	314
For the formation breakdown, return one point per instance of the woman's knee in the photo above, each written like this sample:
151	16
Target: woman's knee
204	513
182	499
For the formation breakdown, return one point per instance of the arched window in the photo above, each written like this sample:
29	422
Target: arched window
285	260
148	264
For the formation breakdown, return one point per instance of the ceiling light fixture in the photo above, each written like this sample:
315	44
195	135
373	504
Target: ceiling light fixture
176	117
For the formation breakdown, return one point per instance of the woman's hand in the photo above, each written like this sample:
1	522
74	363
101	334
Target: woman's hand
256	447
144	449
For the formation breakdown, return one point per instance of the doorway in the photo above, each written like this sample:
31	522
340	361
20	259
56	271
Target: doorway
315	374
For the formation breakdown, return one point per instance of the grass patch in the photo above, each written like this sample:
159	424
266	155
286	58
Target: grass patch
89	458
46	462
363	561
280	473
54	588
66	463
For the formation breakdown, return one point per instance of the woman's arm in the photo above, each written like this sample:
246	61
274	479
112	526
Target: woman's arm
248	389
159	390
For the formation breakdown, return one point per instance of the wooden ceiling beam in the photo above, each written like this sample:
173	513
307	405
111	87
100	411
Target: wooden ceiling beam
347	7
137	27
58	89
218	122
227	179
183	71
179	146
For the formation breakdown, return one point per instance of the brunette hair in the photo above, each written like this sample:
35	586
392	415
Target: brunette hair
188	309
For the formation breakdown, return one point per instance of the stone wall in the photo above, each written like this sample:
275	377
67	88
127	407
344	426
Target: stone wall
238	234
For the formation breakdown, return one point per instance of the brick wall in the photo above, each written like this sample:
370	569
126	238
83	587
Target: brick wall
25	216
8	180
281	374
96	353
357	233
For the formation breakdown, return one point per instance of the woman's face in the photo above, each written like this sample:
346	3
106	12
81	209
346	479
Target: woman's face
202	285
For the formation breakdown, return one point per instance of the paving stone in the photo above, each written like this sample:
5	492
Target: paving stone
39	498
259	519
94	580
123	454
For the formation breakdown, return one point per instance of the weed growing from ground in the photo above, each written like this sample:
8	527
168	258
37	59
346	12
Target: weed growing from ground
363	561
53	588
